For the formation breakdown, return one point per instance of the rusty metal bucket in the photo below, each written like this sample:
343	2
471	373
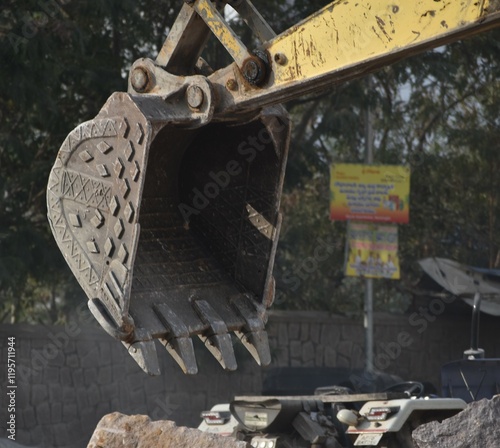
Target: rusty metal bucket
172	231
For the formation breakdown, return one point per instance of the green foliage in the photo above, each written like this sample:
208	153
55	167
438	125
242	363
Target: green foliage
438	113
59	63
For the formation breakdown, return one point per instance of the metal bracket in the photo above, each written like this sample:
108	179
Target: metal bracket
191	98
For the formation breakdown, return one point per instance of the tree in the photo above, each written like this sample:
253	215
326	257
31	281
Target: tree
437	113
60	62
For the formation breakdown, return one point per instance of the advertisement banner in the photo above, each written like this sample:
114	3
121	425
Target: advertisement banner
376	193
372	250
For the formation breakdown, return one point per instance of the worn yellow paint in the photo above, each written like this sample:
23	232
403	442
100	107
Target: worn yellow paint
210	15
347	33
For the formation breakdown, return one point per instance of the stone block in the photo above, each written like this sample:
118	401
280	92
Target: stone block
124	395
105	354
104	375
343	361
293	330
69	394
103	408
93	395
353	333
319	359
283	335
476	426
330	357
154	385
136	380
273	343
84	347
115	404
141	431
77	375
29	417
119	373
272	329
36	434
55	412
51	375
61	435
66	377
42	411
118	355
357	357
70	412
90	376
165	406
308	353
108	391
137	398
70	347
60	359
74	427
345	348
91	359
55	393
281	357
304	331
88	420
314	332
73	361
22	397
39	393
82	398
296	350
330	335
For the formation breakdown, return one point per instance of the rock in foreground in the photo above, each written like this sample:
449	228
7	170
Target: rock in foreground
138	431
476	426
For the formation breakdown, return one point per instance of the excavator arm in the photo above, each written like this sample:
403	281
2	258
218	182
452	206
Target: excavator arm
166	205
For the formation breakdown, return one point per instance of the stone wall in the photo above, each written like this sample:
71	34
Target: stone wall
68	377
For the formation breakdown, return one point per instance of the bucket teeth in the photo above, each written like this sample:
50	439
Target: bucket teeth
186	250
178	344
255	337
217	339
182	350
221	346
144	352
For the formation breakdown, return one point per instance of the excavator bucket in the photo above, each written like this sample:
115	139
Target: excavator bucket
171	231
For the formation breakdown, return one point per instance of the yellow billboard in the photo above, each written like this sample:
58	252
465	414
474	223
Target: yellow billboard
376	193
372	250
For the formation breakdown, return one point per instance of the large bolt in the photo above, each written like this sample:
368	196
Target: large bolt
251	69
254	70
231	84
195	96
280	58
139	79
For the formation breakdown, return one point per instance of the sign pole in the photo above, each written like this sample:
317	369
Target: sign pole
368	304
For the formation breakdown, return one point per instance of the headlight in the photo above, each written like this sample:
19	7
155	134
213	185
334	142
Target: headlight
381	413
261	442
